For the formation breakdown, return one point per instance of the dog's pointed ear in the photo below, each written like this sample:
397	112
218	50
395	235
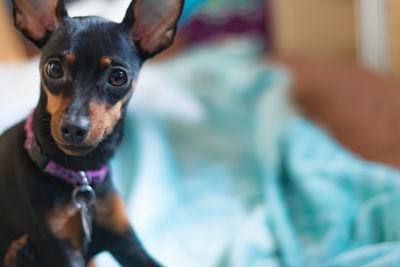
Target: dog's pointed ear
38	19
153	24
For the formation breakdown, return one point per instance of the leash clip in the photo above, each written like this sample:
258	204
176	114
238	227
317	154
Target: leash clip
83	197
84	194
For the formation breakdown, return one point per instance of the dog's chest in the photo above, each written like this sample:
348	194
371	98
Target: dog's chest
65	223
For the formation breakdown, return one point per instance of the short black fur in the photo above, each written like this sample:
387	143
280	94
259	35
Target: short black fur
27	194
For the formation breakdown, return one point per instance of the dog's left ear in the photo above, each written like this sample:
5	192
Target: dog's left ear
153	24
38	19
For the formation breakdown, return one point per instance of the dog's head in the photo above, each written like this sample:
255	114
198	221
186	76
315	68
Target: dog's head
89	65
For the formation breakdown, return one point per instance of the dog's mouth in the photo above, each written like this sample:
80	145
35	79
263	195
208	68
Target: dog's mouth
77	151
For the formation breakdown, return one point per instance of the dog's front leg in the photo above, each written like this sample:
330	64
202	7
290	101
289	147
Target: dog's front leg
65	238
23	253
113	232
20	254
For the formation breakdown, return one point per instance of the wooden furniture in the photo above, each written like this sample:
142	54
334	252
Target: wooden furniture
394	37
318	29
11	47
359	108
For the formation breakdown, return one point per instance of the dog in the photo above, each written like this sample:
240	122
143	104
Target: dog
58	206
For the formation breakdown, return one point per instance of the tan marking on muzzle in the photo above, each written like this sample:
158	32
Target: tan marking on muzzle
56	106
103	117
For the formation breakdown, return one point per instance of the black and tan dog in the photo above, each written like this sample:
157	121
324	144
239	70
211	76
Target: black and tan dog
58	206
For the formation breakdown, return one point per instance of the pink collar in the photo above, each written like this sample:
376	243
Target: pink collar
52	168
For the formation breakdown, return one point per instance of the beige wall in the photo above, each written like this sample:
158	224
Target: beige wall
323	29
10	46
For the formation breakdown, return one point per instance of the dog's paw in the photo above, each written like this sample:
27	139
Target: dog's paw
20	254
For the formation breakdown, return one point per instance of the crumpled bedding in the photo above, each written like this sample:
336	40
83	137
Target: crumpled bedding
219	169
239	178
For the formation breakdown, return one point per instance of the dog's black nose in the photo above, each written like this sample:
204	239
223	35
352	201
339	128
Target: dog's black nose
74	130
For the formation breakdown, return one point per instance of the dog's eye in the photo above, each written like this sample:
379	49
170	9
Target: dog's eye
118	77
54	70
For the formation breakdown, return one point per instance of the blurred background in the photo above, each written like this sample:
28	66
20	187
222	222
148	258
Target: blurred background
268	135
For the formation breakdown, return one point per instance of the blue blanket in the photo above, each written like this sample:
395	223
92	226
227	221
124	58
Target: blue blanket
239	179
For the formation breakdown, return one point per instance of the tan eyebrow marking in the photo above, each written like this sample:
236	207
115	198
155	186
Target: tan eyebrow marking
106	61
70	58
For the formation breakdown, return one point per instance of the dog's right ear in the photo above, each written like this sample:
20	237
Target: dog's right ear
38	19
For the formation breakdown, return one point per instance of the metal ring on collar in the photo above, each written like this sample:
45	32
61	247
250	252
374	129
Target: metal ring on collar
83	189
